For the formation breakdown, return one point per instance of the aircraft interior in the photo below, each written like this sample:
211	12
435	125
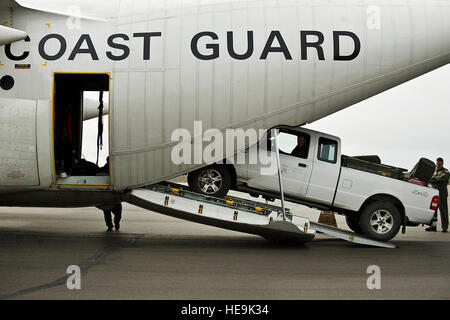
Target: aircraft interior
69	121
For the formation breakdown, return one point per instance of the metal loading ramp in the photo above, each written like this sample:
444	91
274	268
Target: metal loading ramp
349	236
236	214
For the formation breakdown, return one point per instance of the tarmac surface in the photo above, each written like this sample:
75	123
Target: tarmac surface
159	257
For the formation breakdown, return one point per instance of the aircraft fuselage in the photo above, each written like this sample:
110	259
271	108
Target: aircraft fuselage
164	65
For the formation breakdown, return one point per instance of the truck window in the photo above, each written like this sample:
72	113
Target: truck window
327	150
294	143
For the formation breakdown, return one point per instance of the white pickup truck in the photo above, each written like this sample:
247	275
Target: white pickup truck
376	199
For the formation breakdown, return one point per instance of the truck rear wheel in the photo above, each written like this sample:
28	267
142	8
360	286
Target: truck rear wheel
213	181
380	220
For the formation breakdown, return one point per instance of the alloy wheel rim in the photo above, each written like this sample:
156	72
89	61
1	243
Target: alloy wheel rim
382	221
210	181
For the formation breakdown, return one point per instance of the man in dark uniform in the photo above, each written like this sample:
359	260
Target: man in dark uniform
439	181
117	211
302	148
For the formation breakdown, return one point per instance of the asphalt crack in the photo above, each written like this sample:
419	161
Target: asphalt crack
98	258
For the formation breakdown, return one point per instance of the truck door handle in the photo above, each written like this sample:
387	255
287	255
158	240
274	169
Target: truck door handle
302	165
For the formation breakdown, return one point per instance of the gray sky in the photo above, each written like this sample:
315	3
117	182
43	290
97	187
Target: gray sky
400	125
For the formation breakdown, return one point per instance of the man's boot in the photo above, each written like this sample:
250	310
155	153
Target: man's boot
117	224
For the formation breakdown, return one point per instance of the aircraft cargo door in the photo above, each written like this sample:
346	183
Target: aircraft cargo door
18	160
81	129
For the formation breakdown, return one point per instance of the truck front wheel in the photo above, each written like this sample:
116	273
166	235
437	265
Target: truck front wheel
214	180
380	220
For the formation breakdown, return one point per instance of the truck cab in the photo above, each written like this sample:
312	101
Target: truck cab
311	175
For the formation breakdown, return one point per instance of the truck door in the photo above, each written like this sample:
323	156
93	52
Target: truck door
325	172
296	165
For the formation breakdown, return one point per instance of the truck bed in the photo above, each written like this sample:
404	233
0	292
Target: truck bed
375	168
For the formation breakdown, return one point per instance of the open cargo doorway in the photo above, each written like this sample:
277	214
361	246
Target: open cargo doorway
81	141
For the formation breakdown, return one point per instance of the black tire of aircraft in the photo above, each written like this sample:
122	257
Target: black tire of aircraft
365	222
225	176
